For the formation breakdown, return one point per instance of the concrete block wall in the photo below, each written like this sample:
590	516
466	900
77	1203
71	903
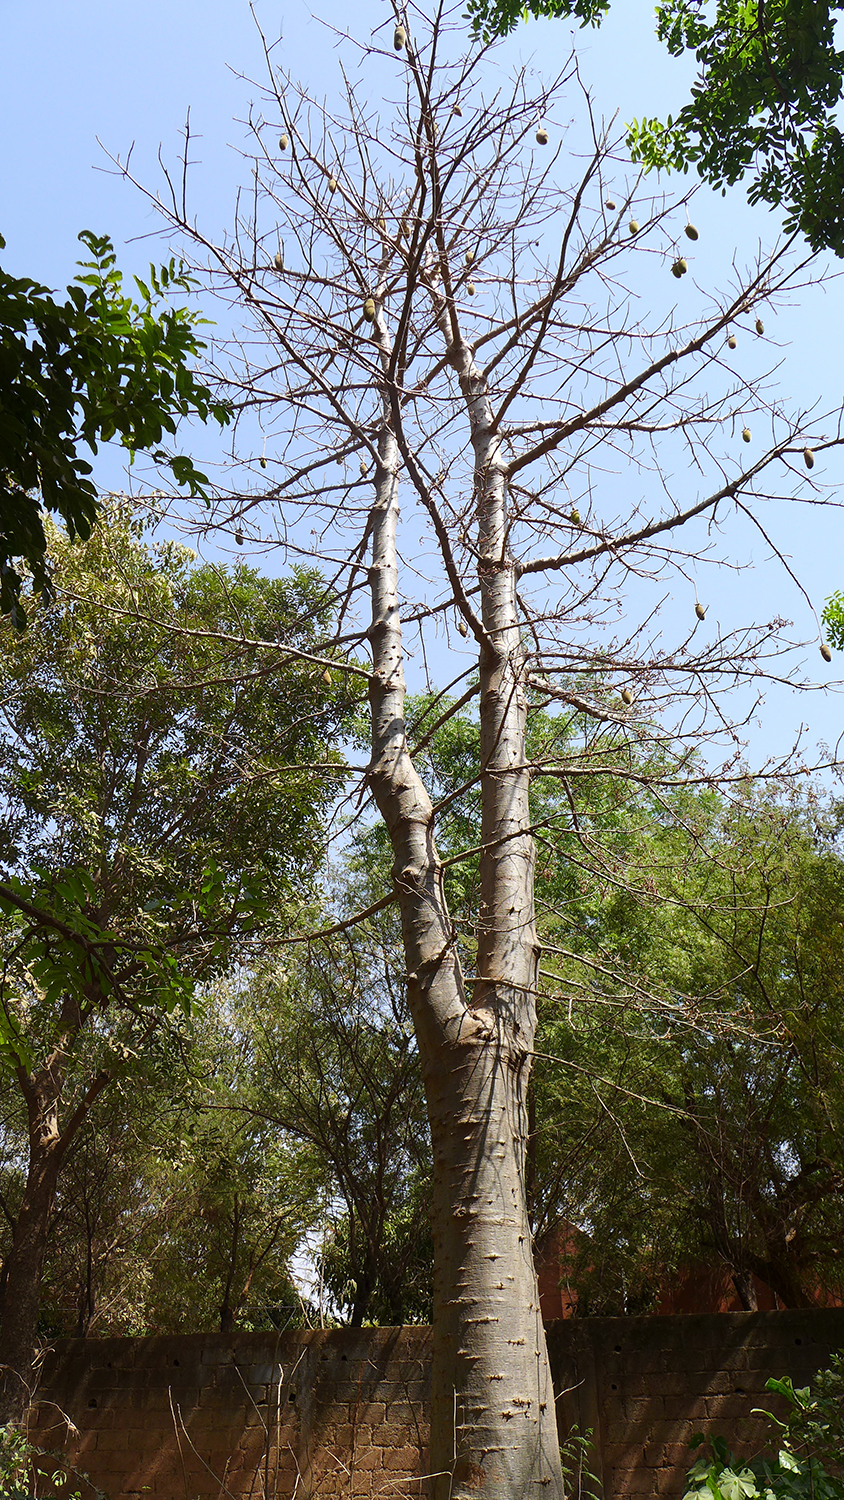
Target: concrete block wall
210	1416
344	1412
646	1385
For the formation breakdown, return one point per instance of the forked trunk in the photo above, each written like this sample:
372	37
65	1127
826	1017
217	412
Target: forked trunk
493	1428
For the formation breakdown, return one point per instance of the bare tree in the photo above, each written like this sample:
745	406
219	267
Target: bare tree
430	315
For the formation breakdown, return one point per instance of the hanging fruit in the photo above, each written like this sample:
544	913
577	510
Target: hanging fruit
369	309
825	651
633	226
238	536
262	461
332	184
610	204
574	517
542	136
808	458
283	143
626	696
462	627
364	467
700	611
691	233
745	434
326	677
456	110
471	288
470	256
278	261
679	267
399	37
760	326
731	341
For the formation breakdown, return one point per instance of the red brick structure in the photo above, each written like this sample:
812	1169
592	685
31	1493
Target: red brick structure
343	1413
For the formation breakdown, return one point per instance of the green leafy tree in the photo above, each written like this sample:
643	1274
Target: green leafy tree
697	1109
74	374
765	104
336	1068
160	798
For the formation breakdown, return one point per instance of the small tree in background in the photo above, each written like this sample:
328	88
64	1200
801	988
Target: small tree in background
159	798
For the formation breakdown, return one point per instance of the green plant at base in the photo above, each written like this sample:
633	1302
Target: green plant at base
809	1460
579	1481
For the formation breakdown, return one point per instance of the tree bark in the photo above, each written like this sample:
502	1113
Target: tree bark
493	1427
22	1300
48	1146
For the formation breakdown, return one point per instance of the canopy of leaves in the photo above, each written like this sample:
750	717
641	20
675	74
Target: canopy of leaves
77	373
157	787
765	103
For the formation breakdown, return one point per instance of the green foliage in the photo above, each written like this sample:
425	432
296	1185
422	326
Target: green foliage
578	1479
833	619
808	1461
498	17
765	103
695	1111
15	1453
99	366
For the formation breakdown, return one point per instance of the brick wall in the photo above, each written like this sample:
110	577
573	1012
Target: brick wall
343	1413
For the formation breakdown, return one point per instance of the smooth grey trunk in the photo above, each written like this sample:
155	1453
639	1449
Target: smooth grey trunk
493	1427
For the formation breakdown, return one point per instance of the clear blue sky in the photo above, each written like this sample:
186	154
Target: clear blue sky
127	74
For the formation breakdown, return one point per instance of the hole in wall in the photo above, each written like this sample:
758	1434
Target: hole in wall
292	1396
92	1403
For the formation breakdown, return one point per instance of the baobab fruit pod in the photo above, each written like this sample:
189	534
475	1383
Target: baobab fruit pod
278	261
610	204
456	110
760	326
679	267
542	136
238	536
369	309
326	677
700	611
399	37
633	226
332	184
574	517
745	434
825	651
691	233
262	461
364	468
462	627
471	288
283	143
808	458
470	256
626	696
731	341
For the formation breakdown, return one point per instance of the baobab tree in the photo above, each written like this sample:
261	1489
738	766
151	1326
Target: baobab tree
439	313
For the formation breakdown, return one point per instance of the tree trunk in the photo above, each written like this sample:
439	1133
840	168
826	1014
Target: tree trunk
48	1146
21	1304
746	1290
493	1427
